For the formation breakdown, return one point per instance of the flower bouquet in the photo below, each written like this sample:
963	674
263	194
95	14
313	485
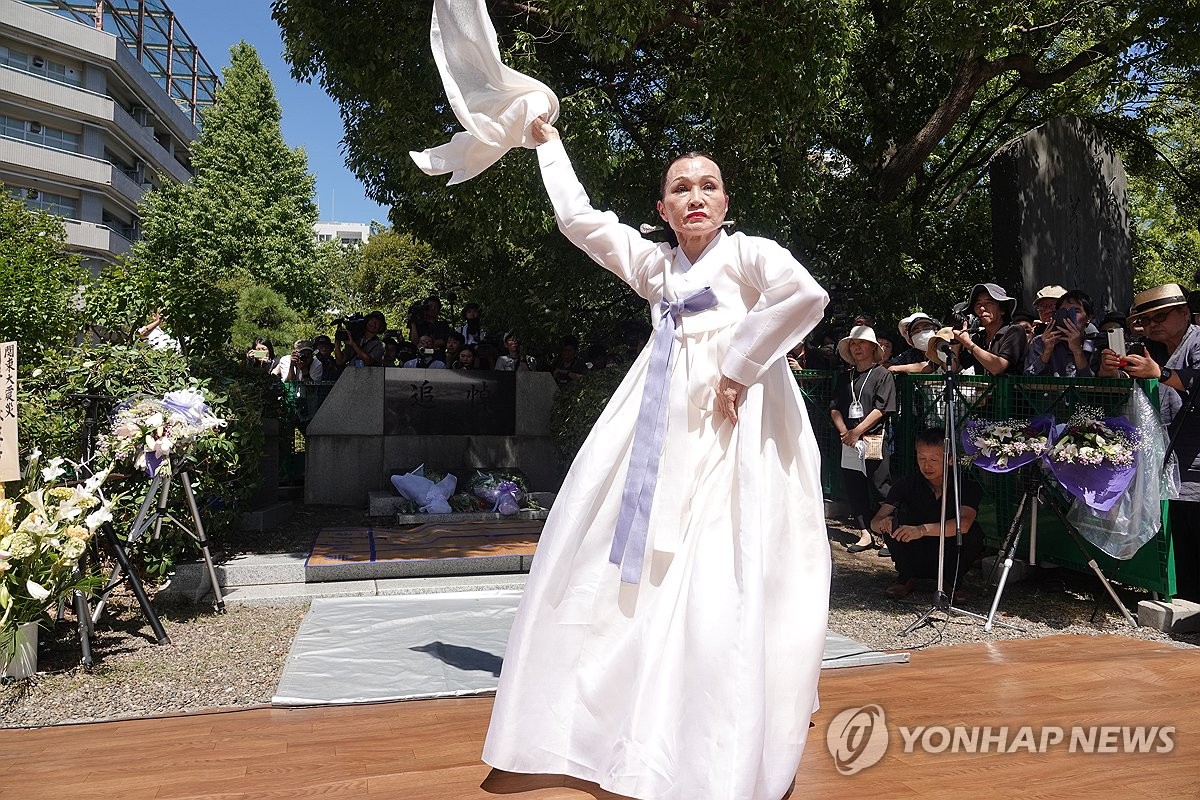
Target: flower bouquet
500	493
1006	445
147	430
43	534
1094	457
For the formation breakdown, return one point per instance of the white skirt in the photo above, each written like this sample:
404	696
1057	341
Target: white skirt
697	683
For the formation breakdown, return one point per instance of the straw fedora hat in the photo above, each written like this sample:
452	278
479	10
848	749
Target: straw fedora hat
1158	298
931	350
863	332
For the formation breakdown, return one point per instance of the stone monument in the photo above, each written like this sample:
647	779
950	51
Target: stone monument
1060	215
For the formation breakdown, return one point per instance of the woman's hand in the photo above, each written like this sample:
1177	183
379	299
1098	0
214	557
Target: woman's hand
850	437
729	395
541	130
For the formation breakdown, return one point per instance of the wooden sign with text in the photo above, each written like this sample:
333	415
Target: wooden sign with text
10	460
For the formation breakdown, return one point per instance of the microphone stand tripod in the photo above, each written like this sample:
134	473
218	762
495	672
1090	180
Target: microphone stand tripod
942	600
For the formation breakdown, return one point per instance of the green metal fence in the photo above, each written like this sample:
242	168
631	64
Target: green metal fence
922	405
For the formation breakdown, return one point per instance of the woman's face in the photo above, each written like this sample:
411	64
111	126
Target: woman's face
466	358
862	350
695	202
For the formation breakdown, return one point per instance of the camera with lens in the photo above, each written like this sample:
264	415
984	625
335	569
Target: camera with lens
351	326
961	318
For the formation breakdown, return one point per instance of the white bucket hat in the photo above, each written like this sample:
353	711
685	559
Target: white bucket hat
908	322
864	332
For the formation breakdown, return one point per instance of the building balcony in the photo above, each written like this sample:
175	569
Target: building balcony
91	238
49	164
73	102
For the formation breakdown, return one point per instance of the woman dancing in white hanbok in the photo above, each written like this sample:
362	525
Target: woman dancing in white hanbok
670	635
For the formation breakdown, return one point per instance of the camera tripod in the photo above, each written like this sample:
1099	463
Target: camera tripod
1029	499
942	600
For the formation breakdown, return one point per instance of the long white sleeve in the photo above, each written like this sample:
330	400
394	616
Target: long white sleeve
790	306
617	247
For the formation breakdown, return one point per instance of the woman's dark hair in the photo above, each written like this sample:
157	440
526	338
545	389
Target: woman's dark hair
1081	297
265	343
457	336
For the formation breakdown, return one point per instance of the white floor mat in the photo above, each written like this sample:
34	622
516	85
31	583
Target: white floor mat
406	647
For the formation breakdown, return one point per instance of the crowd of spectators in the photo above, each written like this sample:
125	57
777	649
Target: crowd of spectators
987	334
428	341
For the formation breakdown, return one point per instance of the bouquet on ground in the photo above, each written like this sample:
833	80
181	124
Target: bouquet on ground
43	533
500	493
148	430
1006	445
1094	457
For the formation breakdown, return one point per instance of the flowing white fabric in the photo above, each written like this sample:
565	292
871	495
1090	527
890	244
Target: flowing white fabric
699	681
494	102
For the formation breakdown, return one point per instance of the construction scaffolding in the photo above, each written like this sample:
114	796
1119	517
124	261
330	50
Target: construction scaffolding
153	35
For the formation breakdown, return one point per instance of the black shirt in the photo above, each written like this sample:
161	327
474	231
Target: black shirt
1009	342
916	504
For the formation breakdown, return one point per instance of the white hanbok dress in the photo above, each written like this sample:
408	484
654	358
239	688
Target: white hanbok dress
697	683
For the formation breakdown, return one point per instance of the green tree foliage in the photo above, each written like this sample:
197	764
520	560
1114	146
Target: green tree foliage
247	214
39	281
389	273
858	133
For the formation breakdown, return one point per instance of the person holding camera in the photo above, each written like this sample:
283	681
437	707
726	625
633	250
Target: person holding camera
261	354
1171	355
996	346
364	351
1067	347
426	357
298	365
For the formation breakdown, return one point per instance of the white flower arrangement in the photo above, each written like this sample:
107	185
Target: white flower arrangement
149	430
1088	440
1003	441
43	534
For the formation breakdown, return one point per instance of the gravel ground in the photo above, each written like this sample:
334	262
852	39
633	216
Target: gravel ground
235	659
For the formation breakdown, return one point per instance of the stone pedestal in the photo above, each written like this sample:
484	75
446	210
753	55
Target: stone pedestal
360	433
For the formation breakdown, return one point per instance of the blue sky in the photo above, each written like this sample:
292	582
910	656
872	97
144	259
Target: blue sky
310	117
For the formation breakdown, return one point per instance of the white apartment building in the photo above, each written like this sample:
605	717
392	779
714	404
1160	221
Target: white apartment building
99	102
347	233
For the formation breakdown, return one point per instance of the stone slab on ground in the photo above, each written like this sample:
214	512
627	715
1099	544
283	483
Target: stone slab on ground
385	503
287	594
478	516
1177	616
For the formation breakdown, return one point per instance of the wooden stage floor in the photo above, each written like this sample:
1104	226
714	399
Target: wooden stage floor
430	749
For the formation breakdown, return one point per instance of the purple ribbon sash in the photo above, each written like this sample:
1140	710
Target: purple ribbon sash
633	522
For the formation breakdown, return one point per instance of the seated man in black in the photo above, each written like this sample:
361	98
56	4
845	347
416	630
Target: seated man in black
909	520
